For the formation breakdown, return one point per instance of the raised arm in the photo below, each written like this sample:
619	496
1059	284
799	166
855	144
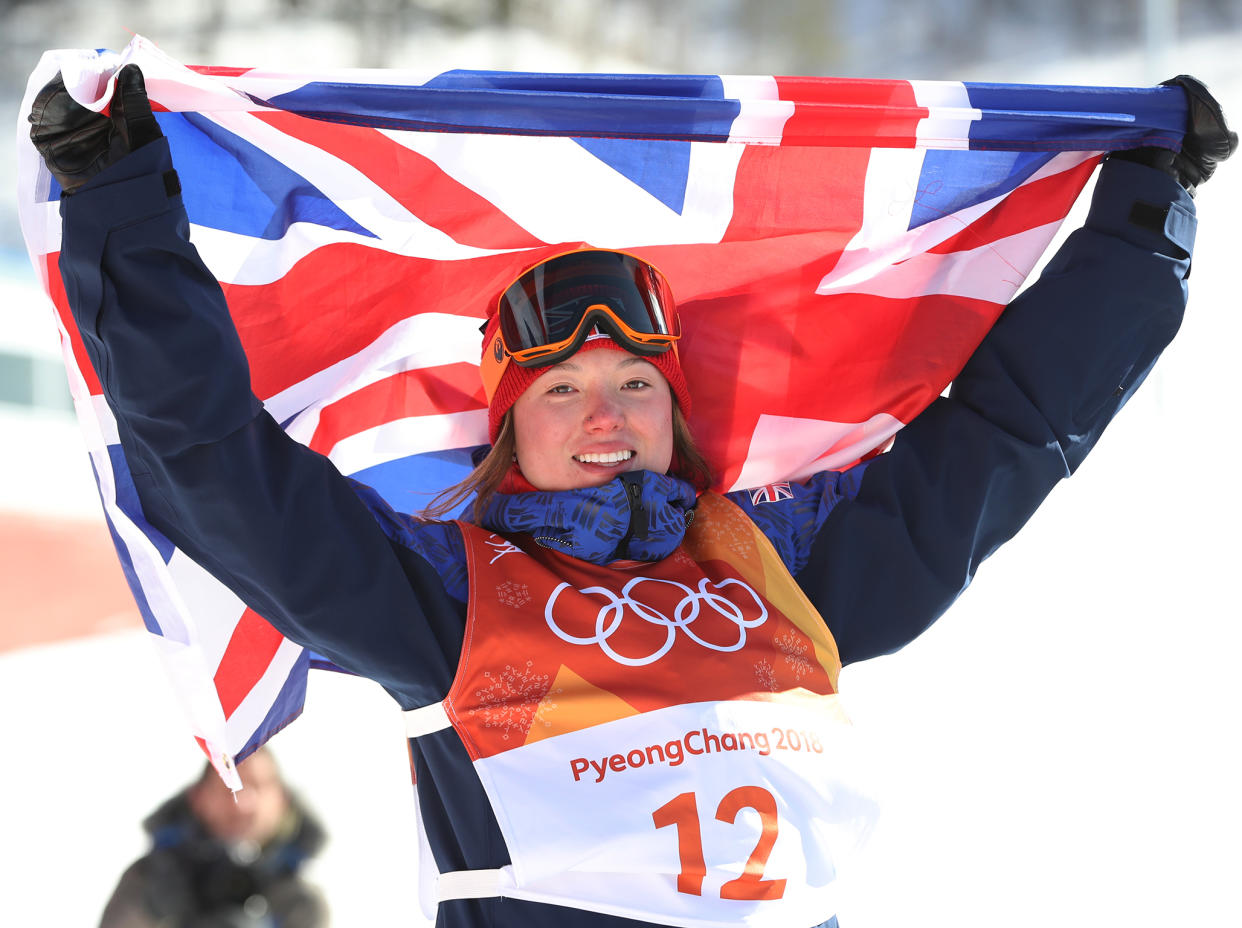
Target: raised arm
884	549
271	519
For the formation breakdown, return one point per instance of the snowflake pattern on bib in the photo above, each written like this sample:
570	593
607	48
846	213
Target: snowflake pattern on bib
794	651
766	676
511	698
731	534
514	594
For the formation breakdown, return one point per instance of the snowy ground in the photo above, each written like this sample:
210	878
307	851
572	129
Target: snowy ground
1060	748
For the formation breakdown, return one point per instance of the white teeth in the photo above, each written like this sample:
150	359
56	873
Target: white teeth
607	457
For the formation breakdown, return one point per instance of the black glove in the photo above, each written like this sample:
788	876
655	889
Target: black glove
1208	140
76	143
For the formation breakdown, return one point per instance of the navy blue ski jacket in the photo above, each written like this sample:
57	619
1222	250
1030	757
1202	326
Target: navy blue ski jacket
881	550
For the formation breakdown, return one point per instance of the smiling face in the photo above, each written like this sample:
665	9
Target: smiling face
582	422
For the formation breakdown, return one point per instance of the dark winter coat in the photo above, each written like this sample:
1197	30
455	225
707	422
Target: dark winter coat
190	879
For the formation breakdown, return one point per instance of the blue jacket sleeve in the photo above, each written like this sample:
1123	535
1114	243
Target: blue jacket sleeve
895	541
271	519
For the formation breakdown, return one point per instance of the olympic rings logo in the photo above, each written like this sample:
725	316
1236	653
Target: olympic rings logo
609	617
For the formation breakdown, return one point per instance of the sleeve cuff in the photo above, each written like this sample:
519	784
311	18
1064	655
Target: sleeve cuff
1143	206
138	186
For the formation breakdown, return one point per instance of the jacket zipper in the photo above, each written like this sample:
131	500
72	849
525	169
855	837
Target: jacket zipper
639	520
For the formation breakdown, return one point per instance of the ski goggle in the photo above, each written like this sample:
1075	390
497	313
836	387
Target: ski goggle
549	312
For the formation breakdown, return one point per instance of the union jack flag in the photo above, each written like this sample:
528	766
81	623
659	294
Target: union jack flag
837	248
771	493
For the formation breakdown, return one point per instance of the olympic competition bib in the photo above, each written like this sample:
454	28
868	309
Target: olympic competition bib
660	741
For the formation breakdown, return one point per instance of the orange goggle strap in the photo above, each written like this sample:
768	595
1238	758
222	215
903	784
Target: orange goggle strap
495	360
597	315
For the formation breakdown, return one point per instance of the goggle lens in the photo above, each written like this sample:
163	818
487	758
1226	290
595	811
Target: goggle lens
548	312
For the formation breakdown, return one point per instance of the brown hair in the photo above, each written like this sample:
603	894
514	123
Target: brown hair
486	479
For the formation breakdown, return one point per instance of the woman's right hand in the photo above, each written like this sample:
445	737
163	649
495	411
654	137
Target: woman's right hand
77	143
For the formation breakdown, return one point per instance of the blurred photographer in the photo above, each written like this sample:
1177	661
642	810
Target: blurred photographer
220	860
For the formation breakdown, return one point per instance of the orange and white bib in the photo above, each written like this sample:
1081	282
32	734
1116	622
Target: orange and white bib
660	741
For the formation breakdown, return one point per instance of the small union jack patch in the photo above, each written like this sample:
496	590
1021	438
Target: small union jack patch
771	493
